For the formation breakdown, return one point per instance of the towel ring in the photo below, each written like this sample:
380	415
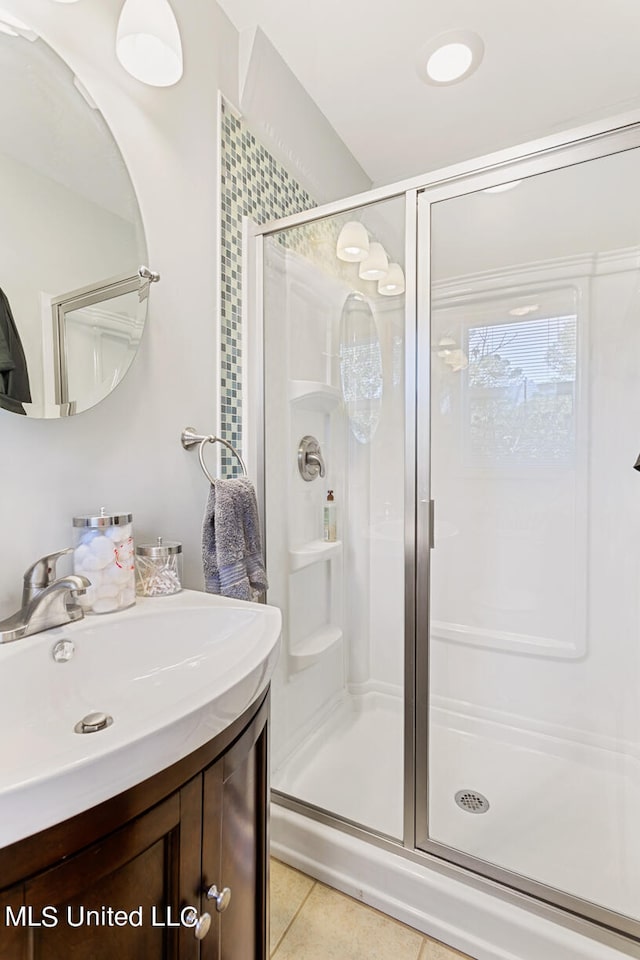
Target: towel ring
189	437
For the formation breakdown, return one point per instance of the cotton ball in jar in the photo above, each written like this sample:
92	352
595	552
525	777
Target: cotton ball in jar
120	533
80	555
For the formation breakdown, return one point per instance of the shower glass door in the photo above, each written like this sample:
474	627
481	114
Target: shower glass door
335	401
534	620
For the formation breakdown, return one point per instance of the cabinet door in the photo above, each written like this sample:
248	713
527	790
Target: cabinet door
14	939
234	850
149	870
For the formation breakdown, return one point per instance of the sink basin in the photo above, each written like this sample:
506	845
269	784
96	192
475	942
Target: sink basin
172	672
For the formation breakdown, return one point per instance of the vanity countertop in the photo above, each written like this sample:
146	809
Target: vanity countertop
171	672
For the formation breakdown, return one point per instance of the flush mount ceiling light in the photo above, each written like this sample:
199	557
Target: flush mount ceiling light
148	42
393	282
376	265
450	57
353	242
502	187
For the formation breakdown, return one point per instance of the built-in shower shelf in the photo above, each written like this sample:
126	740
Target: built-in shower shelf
308	651
314	395
315	551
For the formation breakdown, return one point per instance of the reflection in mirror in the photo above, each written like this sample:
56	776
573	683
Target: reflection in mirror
96	332
70	221
360	367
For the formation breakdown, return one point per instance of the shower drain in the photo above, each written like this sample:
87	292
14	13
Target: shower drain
471	801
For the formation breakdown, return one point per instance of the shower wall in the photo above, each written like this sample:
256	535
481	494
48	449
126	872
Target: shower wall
565	531
302	398
343	602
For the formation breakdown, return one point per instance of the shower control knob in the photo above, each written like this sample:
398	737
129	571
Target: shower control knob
222	897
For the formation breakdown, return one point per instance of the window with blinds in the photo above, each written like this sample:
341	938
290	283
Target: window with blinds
520	392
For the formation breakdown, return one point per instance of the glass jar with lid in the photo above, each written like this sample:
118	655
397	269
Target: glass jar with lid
159	568
103	552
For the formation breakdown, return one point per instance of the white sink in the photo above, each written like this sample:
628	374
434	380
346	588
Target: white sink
173	672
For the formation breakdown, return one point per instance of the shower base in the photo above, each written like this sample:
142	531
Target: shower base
352	765
560	811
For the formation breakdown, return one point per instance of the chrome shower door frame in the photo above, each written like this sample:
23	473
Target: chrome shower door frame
531	163
550	153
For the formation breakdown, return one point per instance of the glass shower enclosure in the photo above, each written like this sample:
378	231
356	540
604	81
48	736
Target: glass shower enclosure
460	665
334	383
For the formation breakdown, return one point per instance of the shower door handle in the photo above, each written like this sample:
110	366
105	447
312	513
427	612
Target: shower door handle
432	524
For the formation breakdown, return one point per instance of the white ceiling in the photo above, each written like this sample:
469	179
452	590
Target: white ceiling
548	65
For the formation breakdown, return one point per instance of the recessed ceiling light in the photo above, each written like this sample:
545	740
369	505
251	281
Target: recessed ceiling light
450	57
502	187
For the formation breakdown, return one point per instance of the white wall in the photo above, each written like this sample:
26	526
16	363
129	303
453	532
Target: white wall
290	124
126	453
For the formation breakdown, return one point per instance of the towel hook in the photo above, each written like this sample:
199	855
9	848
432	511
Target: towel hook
189	437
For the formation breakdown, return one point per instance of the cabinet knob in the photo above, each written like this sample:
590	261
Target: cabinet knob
221	897
200	924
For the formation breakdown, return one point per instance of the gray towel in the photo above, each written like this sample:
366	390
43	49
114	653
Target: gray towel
231	550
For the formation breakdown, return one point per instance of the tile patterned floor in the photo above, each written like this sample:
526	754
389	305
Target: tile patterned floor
310	921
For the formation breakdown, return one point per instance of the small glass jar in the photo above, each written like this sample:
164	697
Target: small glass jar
103	552
159	568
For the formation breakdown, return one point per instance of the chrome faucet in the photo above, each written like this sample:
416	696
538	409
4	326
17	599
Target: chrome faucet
40	574
46	601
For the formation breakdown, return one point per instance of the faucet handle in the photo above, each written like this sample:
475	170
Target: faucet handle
40	574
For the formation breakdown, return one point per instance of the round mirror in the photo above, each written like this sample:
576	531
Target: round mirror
360	367
72	300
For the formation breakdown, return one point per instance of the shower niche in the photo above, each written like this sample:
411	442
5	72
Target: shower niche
304	382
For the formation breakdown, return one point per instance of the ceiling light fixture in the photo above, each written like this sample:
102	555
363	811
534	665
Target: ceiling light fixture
148	42
376	265
353	242
450	57
393	283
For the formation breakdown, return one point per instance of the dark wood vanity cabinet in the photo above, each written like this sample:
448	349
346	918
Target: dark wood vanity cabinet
116	882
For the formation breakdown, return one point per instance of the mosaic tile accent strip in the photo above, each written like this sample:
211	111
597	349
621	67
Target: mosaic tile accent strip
257	185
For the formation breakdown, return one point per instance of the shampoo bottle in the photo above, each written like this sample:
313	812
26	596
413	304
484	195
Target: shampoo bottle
329	518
